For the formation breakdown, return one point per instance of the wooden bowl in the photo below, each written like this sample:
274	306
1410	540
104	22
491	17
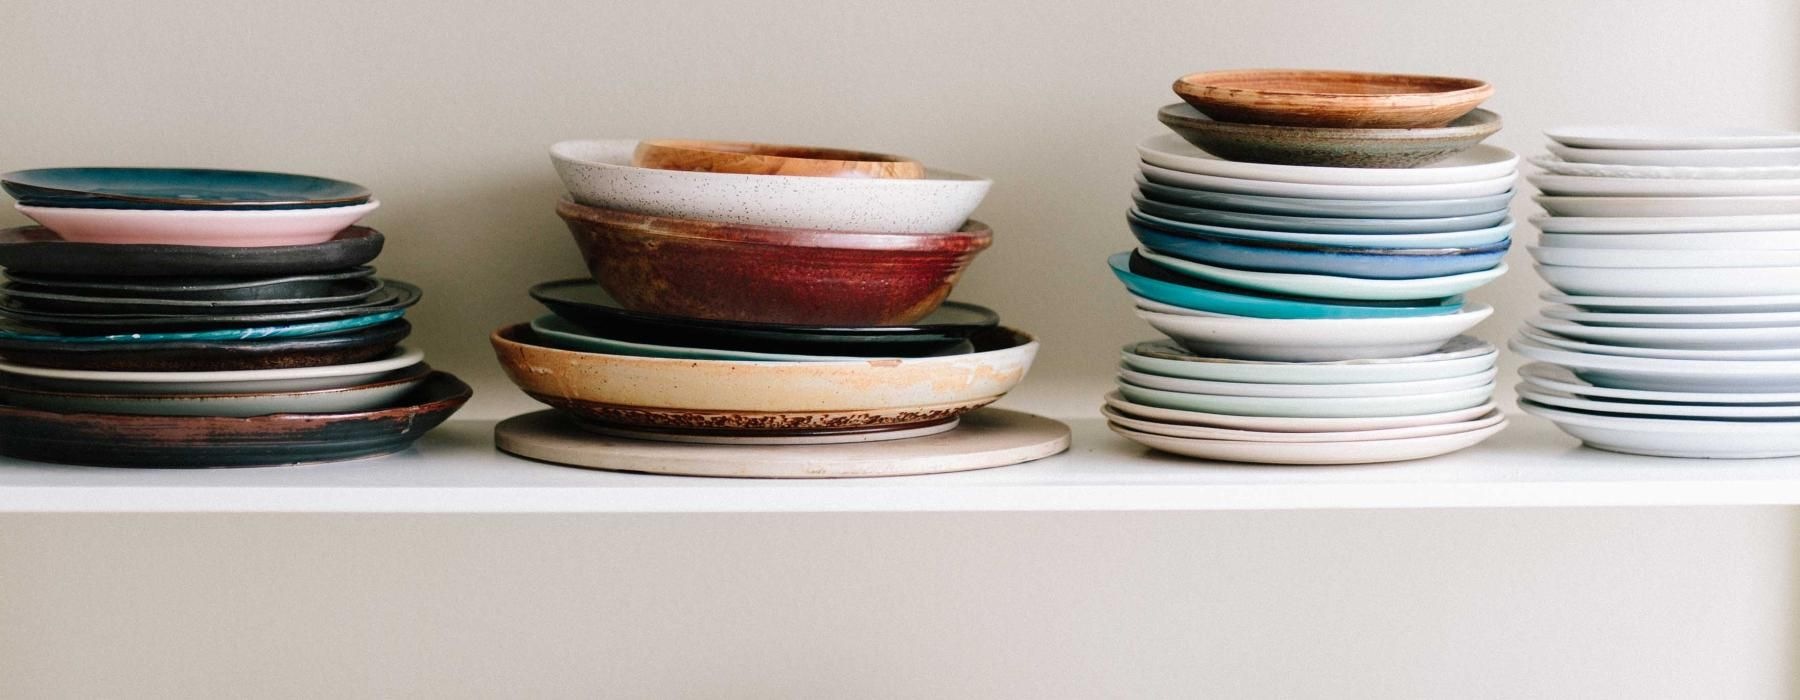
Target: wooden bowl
771	159
1337	99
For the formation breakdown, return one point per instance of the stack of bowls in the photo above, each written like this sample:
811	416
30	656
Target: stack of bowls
760	294
195	318
1305	239
1675	258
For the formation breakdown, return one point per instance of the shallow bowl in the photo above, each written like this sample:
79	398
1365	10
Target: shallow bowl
1341	148
770	159
1331	98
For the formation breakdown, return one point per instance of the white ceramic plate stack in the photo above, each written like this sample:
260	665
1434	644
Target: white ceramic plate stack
1675	324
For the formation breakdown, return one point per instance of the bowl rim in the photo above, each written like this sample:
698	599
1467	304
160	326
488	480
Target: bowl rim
973	237
1194	84
515	335
1477	123
565	151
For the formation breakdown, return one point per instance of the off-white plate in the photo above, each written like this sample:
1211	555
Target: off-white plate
1483	162
1285	407
1313	453
1303	391
1315	340
1213	183
1118	402
1656	410
1623	207
1463	355
1672	281
1779	338
1331	287
1665	224
1732	355
1652	374
1561	379
256	381
1558	166
1674	437
1728	241
1578	186
1686	157
1200	432
1671	137
1624	257
1777	319
1677	305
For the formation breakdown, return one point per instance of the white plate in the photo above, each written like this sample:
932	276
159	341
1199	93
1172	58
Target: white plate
1732	355
1315	340
1313	453
1558	166
1118	402
1671	137
1463	355
1674	437
1330	287
1641	320
1620	207
1668	375
1657	410
1687	157
1283	407
1483	162
235	382
1201	432
1643	187
1460	190
1673	281
1302	391
1623	257
1729	240
1561	379
1665	224
1677	305
1674	338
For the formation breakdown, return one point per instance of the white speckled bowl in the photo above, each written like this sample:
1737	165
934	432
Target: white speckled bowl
600	173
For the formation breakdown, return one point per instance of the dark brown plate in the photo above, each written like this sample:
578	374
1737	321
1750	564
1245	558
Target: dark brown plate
38	250
360	345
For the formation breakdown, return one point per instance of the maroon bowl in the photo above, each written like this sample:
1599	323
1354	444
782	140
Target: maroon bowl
736	272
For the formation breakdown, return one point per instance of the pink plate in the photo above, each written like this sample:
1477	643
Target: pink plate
241	229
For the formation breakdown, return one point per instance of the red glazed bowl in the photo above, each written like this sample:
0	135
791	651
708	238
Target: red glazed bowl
736	272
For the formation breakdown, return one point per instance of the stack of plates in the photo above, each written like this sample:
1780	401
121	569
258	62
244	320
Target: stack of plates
1331	290
155	304
1675	255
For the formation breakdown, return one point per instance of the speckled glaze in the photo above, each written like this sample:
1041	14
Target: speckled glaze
356	346
234	229
1336	99
38	250
1338	148
599	173
736	272
712	395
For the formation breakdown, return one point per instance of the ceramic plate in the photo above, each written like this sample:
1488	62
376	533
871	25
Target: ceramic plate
1304	391
1147	279
1646	187
378	394
1729	240
243	382
1675	437
1641	320
210	289
393	296
1674	338
1278	407
1665	224
1315	224
1677	305
36	250
1653	374
556	332
1725	355
1632	408
1483	162
1622	257
1315	340
1462	356
1461	190
1314	453
358	345
1687	157
585	304
1672	281
1273	256
1452	239
340	293
1669	206
177	188
167	441
1558	166
14	332
1312	207
1666	138
1560	379
210	227
1118	402
1328	287
1201	432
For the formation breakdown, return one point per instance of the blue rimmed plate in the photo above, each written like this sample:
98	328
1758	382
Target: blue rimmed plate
1150	281
177	188
1303	258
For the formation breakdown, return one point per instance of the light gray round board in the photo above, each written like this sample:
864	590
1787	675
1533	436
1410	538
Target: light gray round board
990	437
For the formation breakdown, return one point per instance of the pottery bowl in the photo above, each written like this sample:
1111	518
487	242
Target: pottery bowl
190	227
738	272
765	397
1305	258
600	174
1332	98
770	159
1335	147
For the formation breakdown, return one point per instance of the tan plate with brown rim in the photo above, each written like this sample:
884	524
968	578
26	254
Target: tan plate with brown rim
1340	99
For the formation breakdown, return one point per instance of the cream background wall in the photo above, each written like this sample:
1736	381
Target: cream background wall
446	110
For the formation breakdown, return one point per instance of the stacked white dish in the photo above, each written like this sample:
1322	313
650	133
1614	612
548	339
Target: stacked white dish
1675	255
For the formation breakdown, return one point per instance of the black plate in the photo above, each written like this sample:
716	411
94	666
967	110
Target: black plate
348	347
394	295
190	288
324	295
584	303
36	250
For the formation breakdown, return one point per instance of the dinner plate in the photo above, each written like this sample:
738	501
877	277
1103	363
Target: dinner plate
207	289
585	304
1556	378
1460	190
1643	320
1665	224
1684	157
1450	239
1564	400
1722	355
393	296
346	347
1624	257
1579	186
10	331
1315	340
1668	206
1315	224
339	293
1331	287
1777	338
380	393
1149	280
1314	453
1666	138
1482	162
1272	256
1201	432
210	383
36	250
1654	374
1677	305
1672	281
1282	407
1314	207
1558	166
232	228
1323	391
1462	356
177	188
555	331
1675	437
1728	240
1118	402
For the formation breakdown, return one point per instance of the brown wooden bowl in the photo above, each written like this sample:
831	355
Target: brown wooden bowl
1336	99
771	159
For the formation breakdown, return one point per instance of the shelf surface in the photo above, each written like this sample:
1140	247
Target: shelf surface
457	470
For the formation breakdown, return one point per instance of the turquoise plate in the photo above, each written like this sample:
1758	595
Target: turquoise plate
1147	280
14	332
177	188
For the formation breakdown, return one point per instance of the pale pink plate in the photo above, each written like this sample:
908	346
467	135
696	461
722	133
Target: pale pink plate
238	229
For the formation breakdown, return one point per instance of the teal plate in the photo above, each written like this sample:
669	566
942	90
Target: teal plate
11	331
1147	280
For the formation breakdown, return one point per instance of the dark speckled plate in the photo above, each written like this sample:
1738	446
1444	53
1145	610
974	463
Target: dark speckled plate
113	440
38	250
1341	148
350	347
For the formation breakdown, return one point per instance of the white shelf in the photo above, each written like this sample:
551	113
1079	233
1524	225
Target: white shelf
456	470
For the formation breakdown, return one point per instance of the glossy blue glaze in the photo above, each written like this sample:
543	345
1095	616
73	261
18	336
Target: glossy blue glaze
1316	224
301	330
1301	206
1154	283
177	188
1270	256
